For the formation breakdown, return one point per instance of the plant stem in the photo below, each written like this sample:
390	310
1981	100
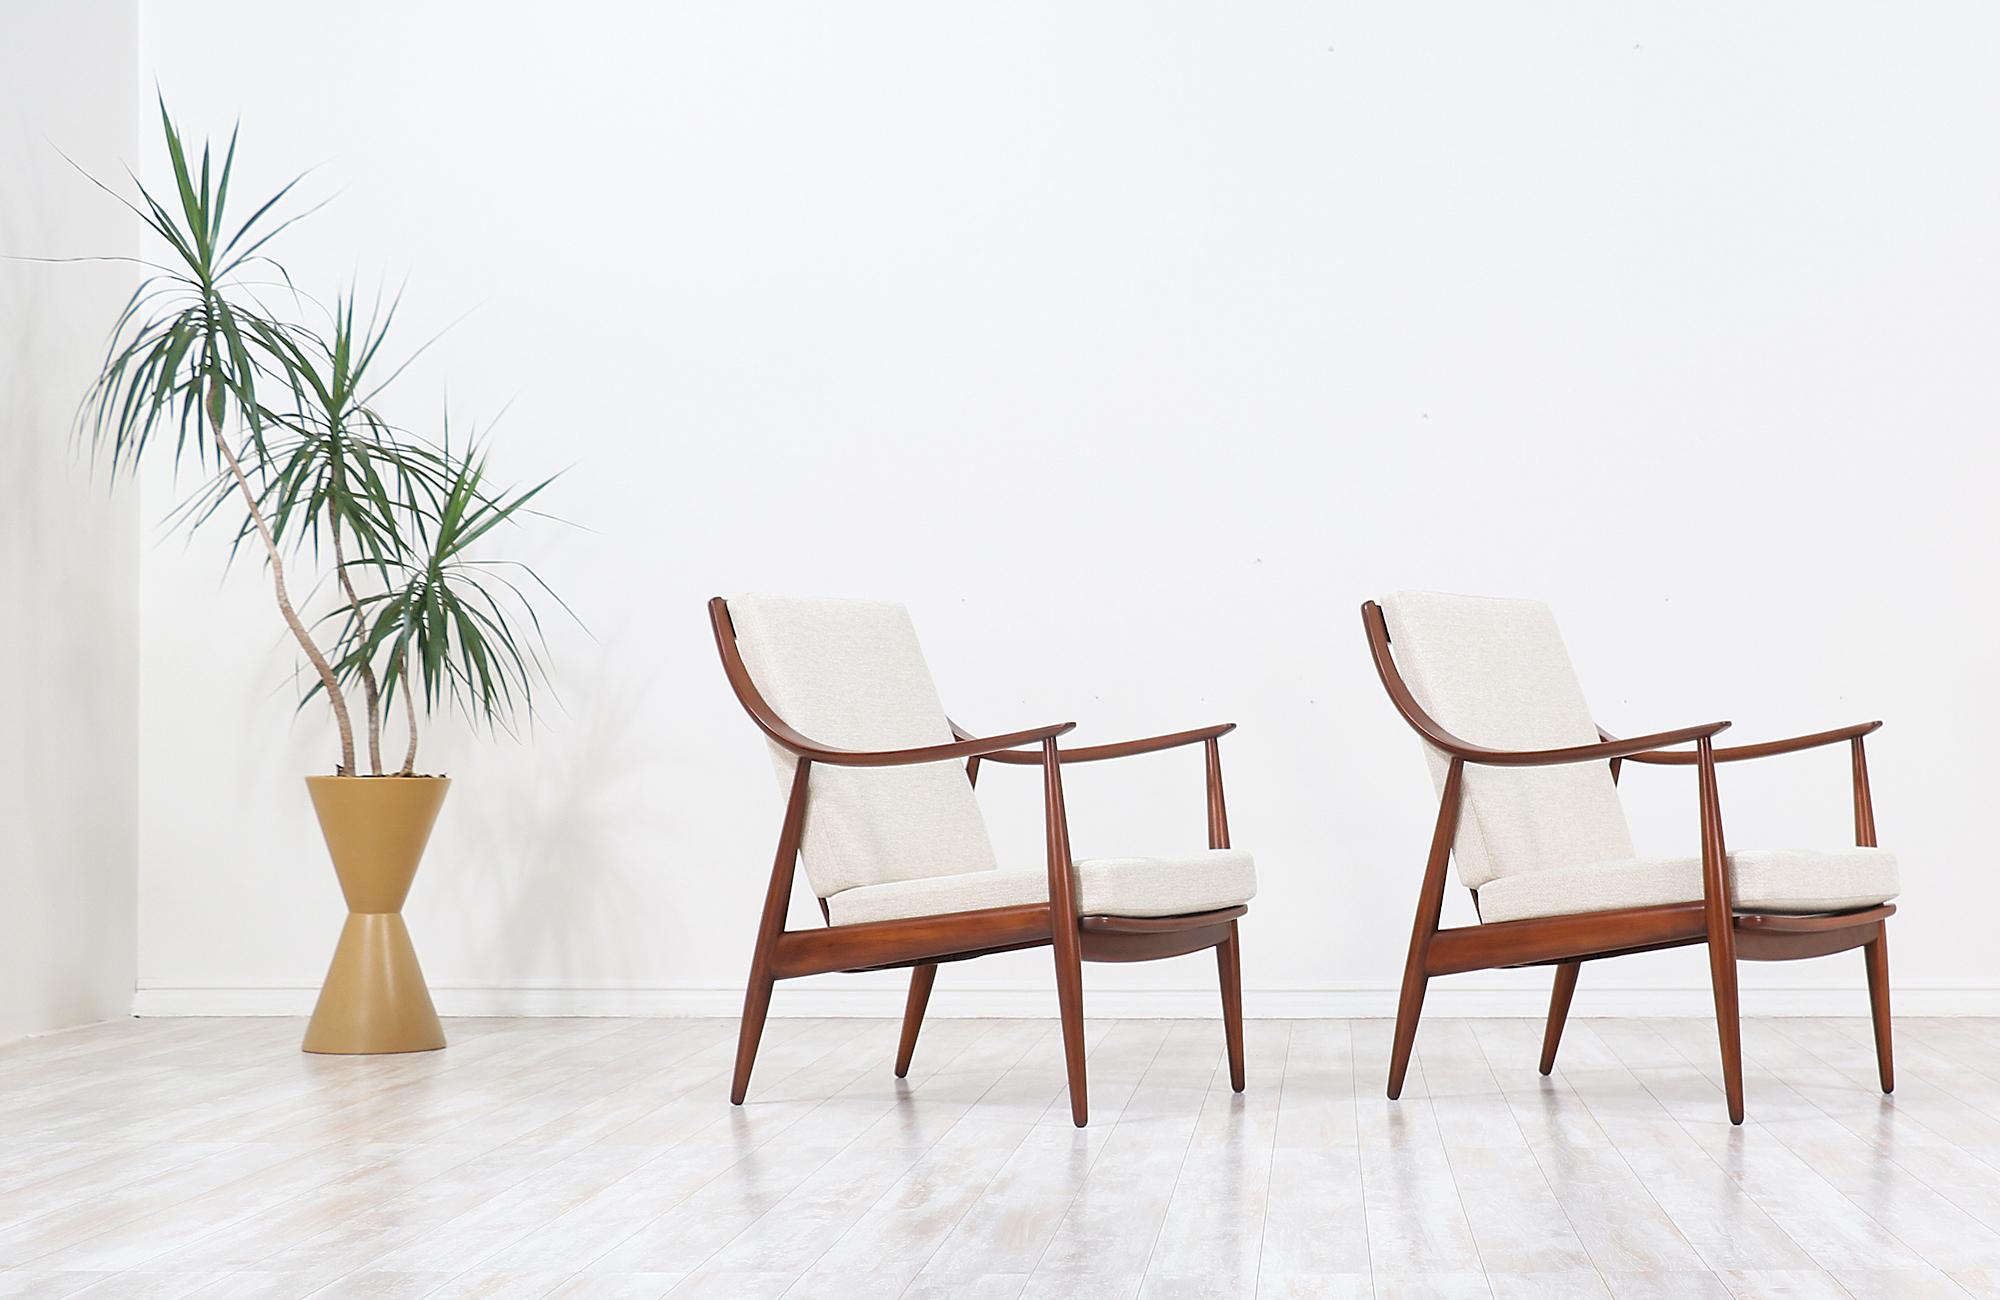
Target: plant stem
370	692
335	699
409	712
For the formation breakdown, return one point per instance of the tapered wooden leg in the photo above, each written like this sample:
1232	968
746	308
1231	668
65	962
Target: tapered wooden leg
1408	1008
777	898
1430	904
1069	997
1229	964
1721	924
1064	938
1728	1028
1559	998
756	1002
1877	955
921	980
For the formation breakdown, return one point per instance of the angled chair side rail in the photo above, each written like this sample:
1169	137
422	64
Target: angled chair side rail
922	943
1566	941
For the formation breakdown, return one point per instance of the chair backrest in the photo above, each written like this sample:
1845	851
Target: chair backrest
1495	673
849	674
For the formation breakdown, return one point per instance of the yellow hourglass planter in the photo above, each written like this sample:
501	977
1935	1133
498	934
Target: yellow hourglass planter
374	999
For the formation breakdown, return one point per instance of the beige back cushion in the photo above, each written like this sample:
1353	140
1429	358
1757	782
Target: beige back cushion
1494	673
848	674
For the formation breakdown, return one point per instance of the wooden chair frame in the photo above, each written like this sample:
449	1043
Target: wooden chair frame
1566	942
922	944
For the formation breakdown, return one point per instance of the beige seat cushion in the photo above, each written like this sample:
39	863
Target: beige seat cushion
1760	880
1198	882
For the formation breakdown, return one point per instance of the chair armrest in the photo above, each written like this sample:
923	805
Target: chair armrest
1119	749
964	747
1762	749
1600	752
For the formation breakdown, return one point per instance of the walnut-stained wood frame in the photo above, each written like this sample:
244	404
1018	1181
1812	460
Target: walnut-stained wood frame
1566	942
922	944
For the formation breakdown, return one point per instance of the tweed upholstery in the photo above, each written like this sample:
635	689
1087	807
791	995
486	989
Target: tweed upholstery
1760	880
1196	882
849	674
1495	673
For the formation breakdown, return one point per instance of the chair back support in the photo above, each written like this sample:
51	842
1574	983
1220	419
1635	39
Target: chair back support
1494	673
849	674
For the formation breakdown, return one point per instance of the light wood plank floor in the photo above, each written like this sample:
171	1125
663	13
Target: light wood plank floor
600	1158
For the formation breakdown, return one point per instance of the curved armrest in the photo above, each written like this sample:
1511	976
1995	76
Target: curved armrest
1120	749
1600	752
1763	749
963	747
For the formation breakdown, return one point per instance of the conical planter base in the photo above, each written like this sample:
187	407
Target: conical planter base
374	999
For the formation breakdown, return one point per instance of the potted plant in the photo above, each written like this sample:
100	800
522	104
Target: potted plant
279	416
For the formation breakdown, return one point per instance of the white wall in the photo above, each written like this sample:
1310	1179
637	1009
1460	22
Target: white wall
1133	346
68	545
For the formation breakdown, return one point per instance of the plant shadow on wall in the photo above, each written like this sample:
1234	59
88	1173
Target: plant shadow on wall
408	614
562	862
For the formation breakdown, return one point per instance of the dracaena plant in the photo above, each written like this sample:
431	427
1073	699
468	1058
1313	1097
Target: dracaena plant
446	624
279	416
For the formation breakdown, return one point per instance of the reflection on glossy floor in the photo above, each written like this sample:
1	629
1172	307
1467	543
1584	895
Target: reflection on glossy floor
599	1158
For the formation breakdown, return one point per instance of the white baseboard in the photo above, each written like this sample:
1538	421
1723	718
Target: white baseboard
1039	1001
